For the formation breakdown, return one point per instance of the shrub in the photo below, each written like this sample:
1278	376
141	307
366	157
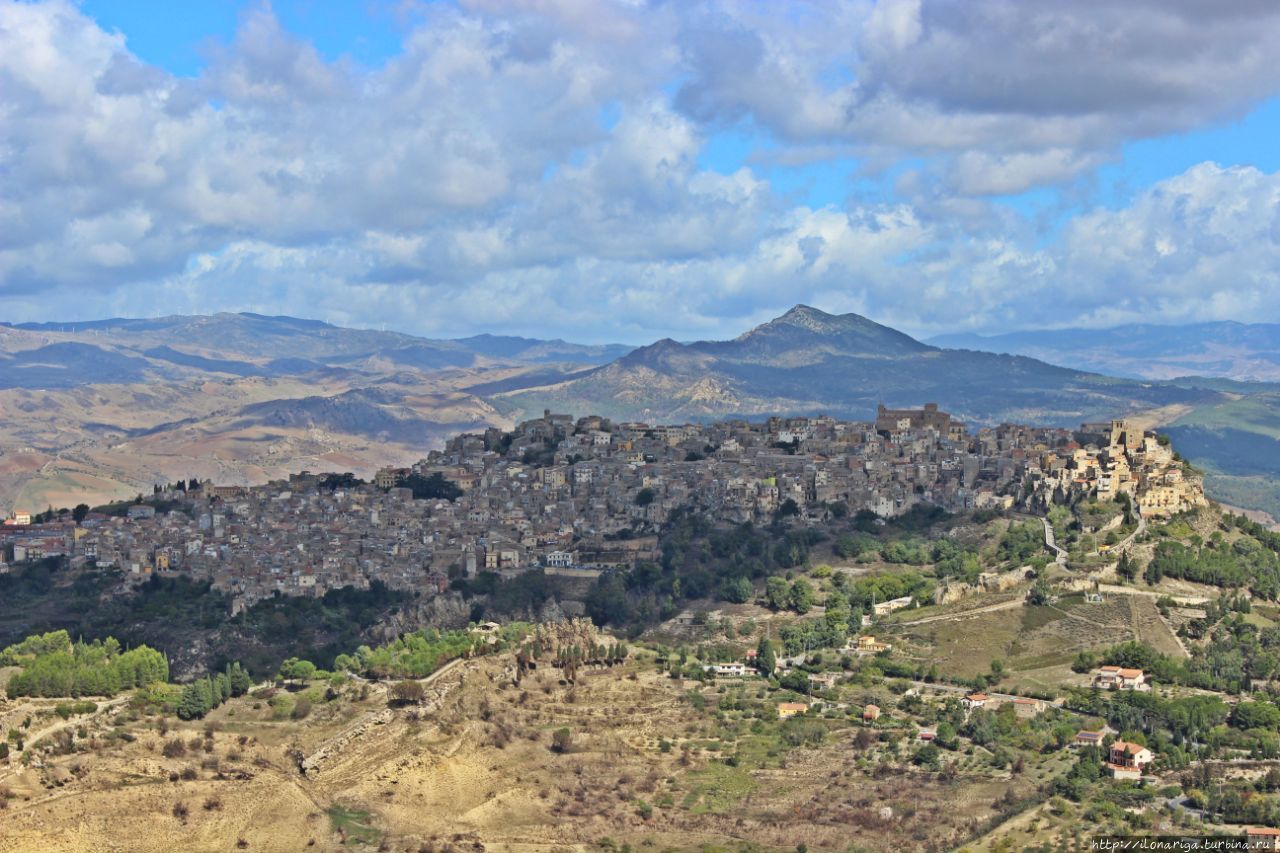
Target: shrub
407	692
561	740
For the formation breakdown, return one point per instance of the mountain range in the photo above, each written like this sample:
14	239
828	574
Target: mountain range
103	409
254	345
808	362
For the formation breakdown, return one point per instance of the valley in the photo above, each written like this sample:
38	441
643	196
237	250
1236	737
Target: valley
956	725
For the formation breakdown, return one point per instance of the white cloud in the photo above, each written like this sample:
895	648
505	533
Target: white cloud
1040	91
537	167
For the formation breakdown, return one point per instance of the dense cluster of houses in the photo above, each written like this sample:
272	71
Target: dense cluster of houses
1115	459
580	496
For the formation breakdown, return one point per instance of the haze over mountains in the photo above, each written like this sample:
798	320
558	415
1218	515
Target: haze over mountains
255	345
104	409
1226	349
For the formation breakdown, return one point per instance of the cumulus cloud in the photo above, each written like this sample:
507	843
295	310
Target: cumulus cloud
1036	91
539	167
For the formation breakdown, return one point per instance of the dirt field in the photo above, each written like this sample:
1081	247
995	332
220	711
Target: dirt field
646	766
1036	644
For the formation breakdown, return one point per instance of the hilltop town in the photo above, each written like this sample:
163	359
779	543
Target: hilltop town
577	497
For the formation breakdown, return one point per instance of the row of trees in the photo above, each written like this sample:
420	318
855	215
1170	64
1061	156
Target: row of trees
414	655
204	694
54	666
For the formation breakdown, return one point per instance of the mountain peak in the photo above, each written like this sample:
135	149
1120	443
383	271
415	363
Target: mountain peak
815	320
807	328
800	310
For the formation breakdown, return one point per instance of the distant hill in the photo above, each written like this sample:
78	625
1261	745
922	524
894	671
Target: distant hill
808	361
536	351
363	411
256	345
1223	349
103	409
68	364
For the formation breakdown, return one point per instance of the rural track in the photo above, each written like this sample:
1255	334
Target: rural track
33	738
964	614
1187	600
368	717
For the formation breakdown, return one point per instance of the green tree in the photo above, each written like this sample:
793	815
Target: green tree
191	705
928	757
294	669
800	596
766	659
433	487
777	593
737	590
239	680
221	688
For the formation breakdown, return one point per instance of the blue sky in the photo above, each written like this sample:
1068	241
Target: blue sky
603	170
177	36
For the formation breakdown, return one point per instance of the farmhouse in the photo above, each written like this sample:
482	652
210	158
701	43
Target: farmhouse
884	608
791	709
1120	678
734	669
1262	837
868	645
1127	760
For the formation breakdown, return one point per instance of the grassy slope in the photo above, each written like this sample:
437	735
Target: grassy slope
1237	443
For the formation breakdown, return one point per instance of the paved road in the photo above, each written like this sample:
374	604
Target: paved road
1181	803
1050	542
952	688
1060	555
